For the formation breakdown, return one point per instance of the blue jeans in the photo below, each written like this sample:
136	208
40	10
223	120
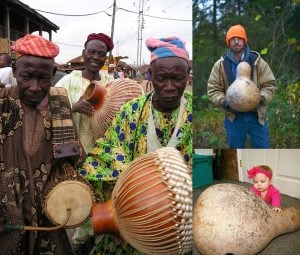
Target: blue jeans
246	123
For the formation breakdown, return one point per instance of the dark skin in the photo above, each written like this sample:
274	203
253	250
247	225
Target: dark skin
5	60
34	79
169	77
94	56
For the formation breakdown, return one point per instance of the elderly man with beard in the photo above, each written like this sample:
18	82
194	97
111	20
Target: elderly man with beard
36	120
94	54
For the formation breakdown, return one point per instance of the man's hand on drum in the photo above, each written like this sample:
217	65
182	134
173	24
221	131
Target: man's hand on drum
83	107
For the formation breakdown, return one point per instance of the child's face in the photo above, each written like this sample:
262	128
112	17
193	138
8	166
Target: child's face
261	182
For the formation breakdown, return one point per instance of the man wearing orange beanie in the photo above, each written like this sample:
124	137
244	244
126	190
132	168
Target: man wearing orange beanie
239	125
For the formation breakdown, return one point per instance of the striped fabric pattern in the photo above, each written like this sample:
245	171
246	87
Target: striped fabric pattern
35	45
62	125
167	47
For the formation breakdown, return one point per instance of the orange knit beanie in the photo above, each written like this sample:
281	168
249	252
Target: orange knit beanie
236	31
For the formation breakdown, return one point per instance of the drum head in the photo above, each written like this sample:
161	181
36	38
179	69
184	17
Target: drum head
69	194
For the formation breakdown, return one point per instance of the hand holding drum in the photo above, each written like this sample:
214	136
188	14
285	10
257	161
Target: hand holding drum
108	99
243	94
230	219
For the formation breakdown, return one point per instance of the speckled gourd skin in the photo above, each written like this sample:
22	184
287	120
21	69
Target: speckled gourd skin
229	218
243	94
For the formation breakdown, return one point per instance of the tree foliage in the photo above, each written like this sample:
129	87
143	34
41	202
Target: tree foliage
273	30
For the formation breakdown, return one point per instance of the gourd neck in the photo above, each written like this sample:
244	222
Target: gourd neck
290	220
104	218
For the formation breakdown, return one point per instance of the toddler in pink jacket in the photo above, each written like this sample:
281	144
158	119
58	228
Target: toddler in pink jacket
262	186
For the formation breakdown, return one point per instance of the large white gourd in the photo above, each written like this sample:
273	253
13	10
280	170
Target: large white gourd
230	219
243	94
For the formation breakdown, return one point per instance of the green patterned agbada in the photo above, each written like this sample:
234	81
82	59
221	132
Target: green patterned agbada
126	139
123	142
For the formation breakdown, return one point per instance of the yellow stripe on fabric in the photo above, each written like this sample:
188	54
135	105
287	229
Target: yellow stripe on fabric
64	123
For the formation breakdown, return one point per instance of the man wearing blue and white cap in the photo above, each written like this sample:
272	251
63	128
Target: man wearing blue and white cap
158	119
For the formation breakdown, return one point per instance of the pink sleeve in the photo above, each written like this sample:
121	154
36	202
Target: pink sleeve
275	198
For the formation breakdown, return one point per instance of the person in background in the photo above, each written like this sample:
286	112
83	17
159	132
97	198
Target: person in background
112	72
34	119
7	78
94	54
262	186
158	119
240	124
120	72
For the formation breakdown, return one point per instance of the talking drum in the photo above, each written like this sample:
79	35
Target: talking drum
117	92
243	95
67	192
230	219
67	202
151	204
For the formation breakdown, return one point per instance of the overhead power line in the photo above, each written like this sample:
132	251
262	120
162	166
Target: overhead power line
119	8
189	20
73	15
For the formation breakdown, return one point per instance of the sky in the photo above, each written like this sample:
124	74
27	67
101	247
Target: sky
74	30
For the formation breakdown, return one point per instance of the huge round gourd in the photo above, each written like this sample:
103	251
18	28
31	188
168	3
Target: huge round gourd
151	205
243	95
230	219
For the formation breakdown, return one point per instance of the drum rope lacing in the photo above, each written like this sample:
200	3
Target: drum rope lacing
155	218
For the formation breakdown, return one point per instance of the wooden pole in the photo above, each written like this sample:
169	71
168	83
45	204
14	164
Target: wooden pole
111	60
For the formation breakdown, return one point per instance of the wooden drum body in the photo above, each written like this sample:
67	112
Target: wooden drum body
152	204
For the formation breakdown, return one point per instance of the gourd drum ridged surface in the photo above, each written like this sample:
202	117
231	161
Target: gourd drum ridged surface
151	204
243	95
117	93
230	219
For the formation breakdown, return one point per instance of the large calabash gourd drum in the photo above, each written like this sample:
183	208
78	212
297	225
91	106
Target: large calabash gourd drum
108	99
151	205
243	94
230	219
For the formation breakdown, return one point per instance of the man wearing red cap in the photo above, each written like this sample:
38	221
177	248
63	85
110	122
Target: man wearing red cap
34	119
240	124
94	54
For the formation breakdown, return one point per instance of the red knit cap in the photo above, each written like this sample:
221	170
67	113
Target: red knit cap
101	37
35	45
236	31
